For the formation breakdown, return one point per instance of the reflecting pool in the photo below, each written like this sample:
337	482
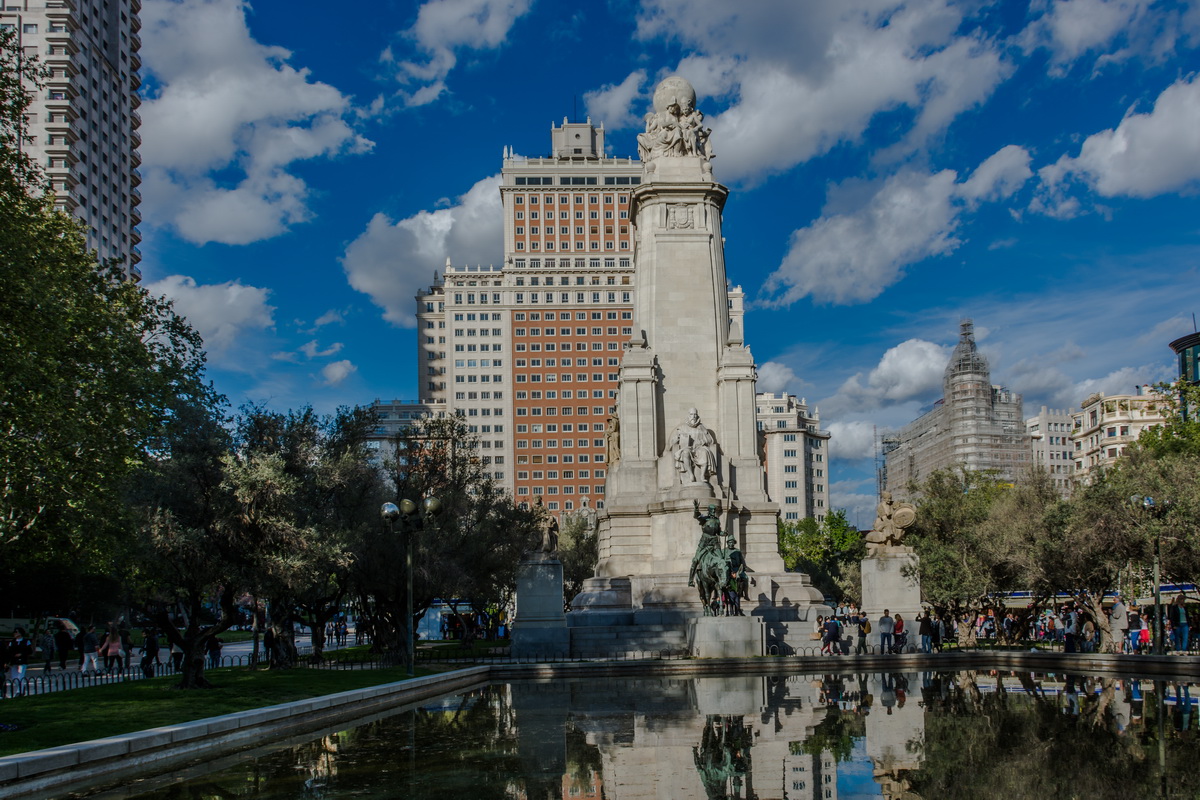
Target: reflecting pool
829	736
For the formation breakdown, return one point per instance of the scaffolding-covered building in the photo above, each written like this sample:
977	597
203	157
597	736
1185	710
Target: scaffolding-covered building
976	425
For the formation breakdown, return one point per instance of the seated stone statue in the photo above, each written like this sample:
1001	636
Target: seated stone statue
891	518
693	447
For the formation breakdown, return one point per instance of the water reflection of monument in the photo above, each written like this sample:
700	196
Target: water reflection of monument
686	406
769	738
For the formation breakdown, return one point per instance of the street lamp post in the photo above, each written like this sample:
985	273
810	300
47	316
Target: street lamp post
1147	506
412	521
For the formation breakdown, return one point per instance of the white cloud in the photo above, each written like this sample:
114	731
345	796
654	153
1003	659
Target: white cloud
222	313
612	104
313	350
774	377
912	370
854	439
390	261
337	371
226	104
853	256
804	77
1112	30
442	28
330	317
998	177
1148	154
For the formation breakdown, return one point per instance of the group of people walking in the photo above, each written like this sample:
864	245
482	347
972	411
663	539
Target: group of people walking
836	630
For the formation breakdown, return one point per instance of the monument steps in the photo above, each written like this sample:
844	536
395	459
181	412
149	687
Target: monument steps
627	638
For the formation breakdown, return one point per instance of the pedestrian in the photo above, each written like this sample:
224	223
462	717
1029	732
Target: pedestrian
149	652
898	632
62	644
864	628
831	641
46	645
819	631
1182	630
887	626
1119	622
925	630
89	650
176	656
20	651
110	648
1134	629
126	646
213	646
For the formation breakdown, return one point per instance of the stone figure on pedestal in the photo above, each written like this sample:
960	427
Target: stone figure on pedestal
549	525
612	440
891	518
692	445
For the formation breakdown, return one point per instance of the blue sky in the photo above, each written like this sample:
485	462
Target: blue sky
893	166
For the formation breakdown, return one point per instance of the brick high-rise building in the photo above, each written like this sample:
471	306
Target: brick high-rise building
83	123
528	351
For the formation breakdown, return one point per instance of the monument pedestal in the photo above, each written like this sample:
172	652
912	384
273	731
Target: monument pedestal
540	625
889	580
726	637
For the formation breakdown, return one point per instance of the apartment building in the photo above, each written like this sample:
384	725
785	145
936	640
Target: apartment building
795	453
1106	425
1051	447
528	351
83	124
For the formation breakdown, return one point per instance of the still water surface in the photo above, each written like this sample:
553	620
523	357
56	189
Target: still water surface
831	737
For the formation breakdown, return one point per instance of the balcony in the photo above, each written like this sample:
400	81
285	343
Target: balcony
135	216
135	197
135	159
135	235
137	119
136	138
135	61
135	100
135	6
135	81
135	177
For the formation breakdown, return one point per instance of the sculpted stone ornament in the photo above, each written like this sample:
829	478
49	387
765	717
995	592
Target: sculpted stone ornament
891	518
549	529
675	128
693	447
612	440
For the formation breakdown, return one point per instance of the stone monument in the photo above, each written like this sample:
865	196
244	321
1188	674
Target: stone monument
686	403
889	572
539	624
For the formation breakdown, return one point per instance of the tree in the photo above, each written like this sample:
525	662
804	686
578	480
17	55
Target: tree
828	551
304	488
577	550
957	569
183	553
467	555
90	364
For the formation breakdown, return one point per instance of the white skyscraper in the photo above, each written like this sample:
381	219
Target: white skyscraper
83	123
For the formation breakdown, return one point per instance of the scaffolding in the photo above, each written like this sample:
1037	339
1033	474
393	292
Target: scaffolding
976	425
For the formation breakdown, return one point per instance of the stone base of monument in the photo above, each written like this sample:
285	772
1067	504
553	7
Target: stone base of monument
726	637
540	624
889	580
651	613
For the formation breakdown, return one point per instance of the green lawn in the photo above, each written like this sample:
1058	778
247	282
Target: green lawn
96	712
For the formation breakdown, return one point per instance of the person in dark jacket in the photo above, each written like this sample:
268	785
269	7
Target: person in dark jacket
149	652
63	644
20	651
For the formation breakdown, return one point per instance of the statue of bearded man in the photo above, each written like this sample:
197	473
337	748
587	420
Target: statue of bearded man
694	450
